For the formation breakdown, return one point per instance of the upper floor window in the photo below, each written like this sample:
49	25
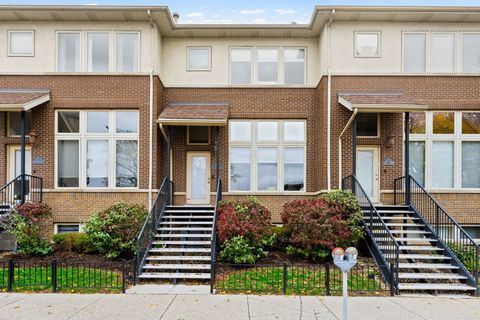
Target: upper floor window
367	44
21	43
127	57
442	52
270	66
471	52
199	59
414	52
68	55
98	51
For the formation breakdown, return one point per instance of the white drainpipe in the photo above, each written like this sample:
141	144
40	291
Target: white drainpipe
329	103
150	149
340	146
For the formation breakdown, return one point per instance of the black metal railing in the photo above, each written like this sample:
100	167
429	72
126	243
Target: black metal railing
386	250
55	276
213	245
298	279
11	193
451	236
149	229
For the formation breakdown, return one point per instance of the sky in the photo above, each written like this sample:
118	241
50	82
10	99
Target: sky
248	11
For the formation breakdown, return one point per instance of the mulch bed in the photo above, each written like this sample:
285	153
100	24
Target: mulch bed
59	256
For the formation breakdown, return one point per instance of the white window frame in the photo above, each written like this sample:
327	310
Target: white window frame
10	54
111	50
379	44
252	59
457	138
430	35
199	143
209	49
56	224
460	50
282	67
82	59
82	136
280	145
114	49
427	50
279	66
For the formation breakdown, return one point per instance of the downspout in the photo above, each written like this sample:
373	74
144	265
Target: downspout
150	149
355	111
329	103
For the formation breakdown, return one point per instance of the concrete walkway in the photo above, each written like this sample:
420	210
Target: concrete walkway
231	307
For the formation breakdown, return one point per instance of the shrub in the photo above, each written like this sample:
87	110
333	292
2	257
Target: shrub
240	250
73	241
248	219
113	231
316	226
23	224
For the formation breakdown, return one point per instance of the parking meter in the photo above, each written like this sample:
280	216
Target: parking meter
345	260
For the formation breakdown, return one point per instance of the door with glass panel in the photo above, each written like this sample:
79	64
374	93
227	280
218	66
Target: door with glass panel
14	161
368	173
198	178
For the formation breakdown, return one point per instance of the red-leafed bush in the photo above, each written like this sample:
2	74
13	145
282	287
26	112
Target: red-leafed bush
248	219
316	226
32	211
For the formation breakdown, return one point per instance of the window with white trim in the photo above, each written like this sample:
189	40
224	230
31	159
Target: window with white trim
199	59
414	52
97	149
126	51
98	51
267	155
367	44
68	52
269	65
21	43
445	149
67	228
471	52
15	123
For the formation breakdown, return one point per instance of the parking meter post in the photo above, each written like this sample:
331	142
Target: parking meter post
345	296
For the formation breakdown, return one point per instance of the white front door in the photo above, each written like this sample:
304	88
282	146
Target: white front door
14	161
368	171
198	178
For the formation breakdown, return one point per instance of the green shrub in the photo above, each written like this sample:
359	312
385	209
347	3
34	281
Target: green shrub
113	231
466	254
73	241
29	238
240	251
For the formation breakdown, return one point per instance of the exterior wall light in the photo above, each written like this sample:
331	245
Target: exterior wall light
345	260
33	138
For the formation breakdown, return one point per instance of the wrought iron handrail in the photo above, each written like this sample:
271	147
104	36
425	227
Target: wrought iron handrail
11	193
450	234
376	229
149	228
213	245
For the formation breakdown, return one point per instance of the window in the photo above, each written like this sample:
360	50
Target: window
445	149
241	65
97	149
21	43
198	135
127	57
15	123
98	46
269	158
267	66
66	228
414	52
199	59
472	231
367	44
294	66
471	52
68	55
367	125
442	56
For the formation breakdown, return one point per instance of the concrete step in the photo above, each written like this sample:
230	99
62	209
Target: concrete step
431	276
430	266
406	225
190	211
187	243
435	286
410	232
183	229
423	257
391	218
413	248
167	275
178	258
187	217
183	235
394	211
415	240
177	266
207	223
180	250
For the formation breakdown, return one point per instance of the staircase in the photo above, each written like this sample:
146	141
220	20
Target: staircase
423	265
182	245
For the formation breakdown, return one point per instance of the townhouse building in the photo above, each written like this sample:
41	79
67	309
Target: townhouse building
103	103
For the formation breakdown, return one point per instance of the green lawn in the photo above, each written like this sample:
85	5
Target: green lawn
69	279
300	280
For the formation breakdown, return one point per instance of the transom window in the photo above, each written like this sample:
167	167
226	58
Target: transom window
445	149
267	155
198	135
15	123
97	149
367	44
269	65
368	125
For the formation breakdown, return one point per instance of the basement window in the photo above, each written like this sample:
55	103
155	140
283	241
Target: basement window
66	228
198	135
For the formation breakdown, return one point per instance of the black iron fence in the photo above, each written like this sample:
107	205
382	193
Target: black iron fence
72	276
214	241
299	279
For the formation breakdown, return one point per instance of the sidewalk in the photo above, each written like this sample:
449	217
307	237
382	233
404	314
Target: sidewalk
231	307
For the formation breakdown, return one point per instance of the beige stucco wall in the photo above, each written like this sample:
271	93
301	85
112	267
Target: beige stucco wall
342	45
45	44
174	59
